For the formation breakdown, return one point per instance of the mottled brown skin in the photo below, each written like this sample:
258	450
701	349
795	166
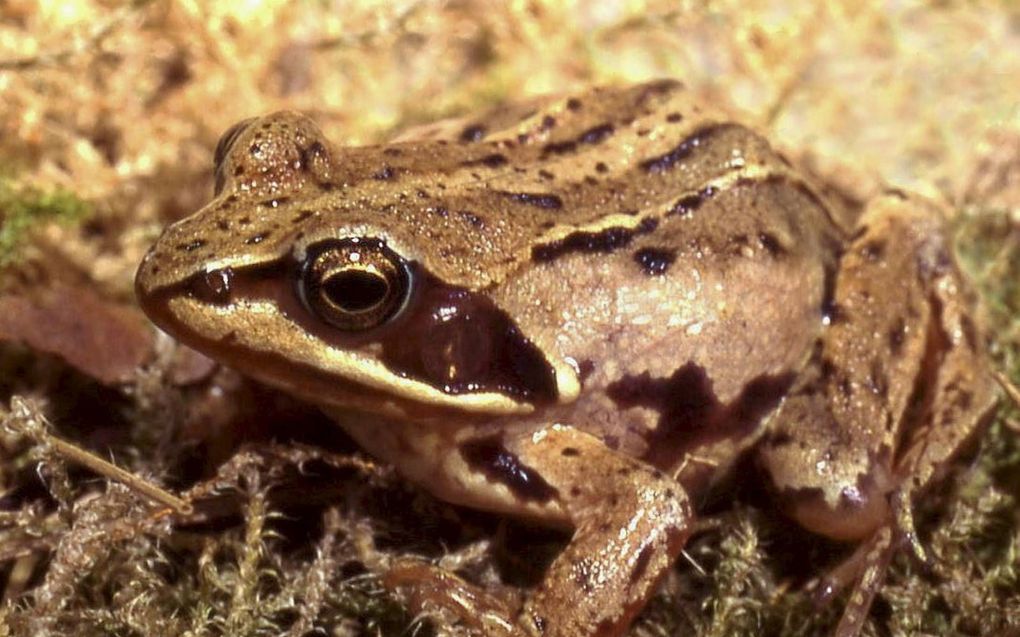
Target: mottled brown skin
612	296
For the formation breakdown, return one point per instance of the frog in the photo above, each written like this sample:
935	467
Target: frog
587	311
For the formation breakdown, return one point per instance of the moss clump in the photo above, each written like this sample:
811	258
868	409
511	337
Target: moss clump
23	208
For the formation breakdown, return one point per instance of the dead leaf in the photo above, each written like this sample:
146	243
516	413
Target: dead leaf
99	338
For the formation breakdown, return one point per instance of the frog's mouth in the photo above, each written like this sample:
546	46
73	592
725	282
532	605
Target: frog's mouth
446	348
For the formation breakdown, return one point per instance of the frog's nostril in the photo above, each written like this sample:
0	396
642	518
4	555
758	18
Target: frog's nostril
214	286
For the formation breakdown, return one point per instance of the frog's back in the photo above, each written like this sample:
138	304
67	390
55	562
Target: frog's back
685	273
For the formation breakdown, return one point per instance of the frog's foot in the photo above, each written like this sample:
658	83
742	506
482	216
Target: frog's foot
630	522
438	593
872	556
865	569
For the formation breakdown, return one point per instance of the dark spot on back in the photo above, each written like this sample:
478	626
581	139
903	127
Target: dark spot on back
301	216
573	104
492	160
596	134
490	457
548	201
545	174
223	224
674	117
548	122
570	452
601	167
472	133
605	240
559	148
685	148
655	261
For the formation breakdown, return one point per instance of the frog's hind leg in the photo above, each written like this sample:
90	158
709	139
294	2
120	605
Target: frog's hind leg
897	386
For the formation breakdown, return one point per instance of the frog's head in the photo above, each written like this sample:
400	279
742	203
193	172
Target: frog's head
307	273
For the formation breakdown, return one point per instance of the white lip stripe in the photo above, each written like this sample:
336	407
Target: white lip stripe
349	366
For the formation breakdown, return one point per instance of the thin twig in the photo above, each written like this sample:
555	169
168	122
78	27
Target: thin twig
112	471
23	411
1008	386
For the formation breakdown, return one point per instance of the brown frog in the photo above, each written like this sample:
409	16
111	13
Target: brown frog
583	310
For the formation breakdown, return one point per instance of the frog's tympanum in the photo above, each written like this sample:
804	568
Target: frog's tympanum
583	311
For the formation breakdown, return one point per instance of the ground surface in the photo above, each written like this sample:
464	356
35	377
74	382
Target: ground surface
109	113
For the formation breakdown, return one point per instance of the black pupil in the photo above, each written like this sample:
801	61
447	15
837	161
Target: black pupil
355	290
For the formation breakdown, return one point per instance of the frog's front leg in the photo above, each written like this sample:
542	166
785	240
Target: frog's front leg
898	385
630	522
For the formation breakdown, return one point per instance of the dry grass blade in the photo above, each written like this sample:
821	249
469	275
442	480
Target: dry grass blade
23	412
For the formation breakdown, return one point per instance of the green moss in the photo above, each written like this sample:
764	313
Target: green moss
24	208
988	248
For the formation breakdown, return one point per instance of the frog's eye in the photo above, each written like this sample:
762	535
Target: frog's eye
228	138
353	284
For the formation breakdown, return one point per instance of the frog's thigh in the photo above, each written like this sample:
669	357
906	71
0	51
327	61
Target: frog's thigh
899	383
630	523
